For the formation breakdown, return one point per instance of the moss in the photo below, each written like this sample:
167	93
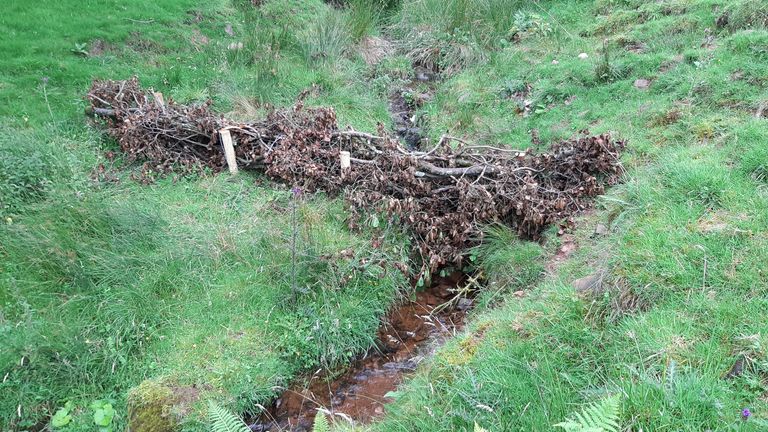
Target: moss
150	408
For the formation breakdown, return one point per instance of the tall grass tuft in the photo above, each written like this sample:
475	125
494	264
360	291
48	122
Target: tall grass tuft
451	35
327	39
362	17
745	14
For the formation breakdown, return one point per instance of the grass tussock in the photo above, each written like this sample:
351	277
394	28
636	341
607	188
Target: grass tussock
741	14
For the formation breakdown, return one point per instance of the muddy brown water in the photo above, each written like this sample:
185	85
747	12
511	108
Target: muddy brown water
409	333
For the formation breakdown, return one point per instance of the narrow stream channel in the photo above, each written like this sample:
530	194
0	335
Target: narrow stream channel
410	333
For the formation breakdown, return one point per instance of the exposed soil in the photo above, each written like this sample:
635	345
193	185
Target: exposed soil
410	332
567	247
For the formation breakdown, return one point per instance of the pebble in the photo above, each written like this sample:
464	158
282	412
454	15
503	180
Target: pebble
588	283
464	304
600	230
583	56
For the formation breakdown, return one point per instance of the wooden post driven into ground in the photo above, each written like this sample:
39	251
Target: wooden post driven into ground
229	150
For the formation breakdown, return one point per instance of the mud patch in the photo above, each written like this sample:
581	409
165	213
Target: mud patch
411	332
98	47
138	43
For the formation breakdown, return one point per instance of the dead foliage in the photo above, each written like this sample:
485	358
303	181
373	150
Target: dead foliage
442	196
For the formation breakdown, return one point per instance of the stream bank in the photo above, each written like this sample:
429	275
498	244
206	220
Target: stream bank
410	333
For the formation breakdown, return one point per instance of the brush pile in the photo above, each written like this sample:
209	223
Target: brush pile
442	196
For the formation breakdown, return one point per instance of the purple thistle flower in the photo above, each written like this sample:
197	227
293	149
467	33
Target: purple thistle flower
296	191
745	414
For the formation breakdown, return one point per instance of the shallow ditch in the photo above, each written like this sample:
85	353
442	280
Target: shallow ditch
410	333
404	101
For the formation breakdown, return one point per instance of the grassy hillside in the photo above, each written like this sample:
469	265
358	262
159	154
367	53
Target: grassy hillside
681	269
105	282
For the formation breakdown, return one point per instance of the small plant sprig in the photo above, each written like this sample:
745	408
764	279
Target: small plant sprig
103	417
221	420
63	416
80	49
44	80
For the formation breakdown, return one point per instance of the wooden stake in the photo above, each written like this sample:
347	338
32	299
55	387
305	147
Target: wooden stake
229	150
346	160
159	100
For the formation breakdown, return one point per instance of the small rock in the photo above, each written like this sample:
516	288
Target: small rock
424	74
722	20
422	98
423	77
259	427
591	283
583	56
642	83
554	62
736	370
600	230
154	407
464	304
228	30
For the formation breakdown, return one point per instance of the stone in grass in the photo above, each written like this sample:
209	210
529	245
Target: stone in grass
589	284
600	230
157	407
642	84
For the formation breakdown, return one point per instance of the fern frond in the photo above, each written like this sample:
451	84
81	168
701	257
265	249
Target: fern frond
321	423
601	416
224	421
479	428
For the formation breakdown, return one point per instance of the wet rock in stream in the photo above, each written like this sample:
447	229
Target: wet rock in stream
410	332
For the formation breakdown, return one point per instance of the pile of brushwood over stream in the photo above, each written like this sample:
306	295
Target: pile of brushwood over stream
442	195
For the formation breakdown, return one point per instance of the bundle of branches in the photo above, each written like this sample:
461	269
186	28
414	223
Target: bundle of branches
443	196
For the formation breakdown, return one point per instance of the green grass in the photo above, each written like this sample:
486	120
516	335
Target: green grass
684	282
102	284
187	281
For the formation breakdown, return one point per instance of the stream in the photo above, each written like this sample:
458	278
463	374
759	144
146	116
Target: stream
410	333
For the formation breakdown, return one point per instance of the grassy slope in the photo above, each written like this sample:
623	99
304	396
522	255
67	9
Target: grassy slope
116	301
689	228
103	285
